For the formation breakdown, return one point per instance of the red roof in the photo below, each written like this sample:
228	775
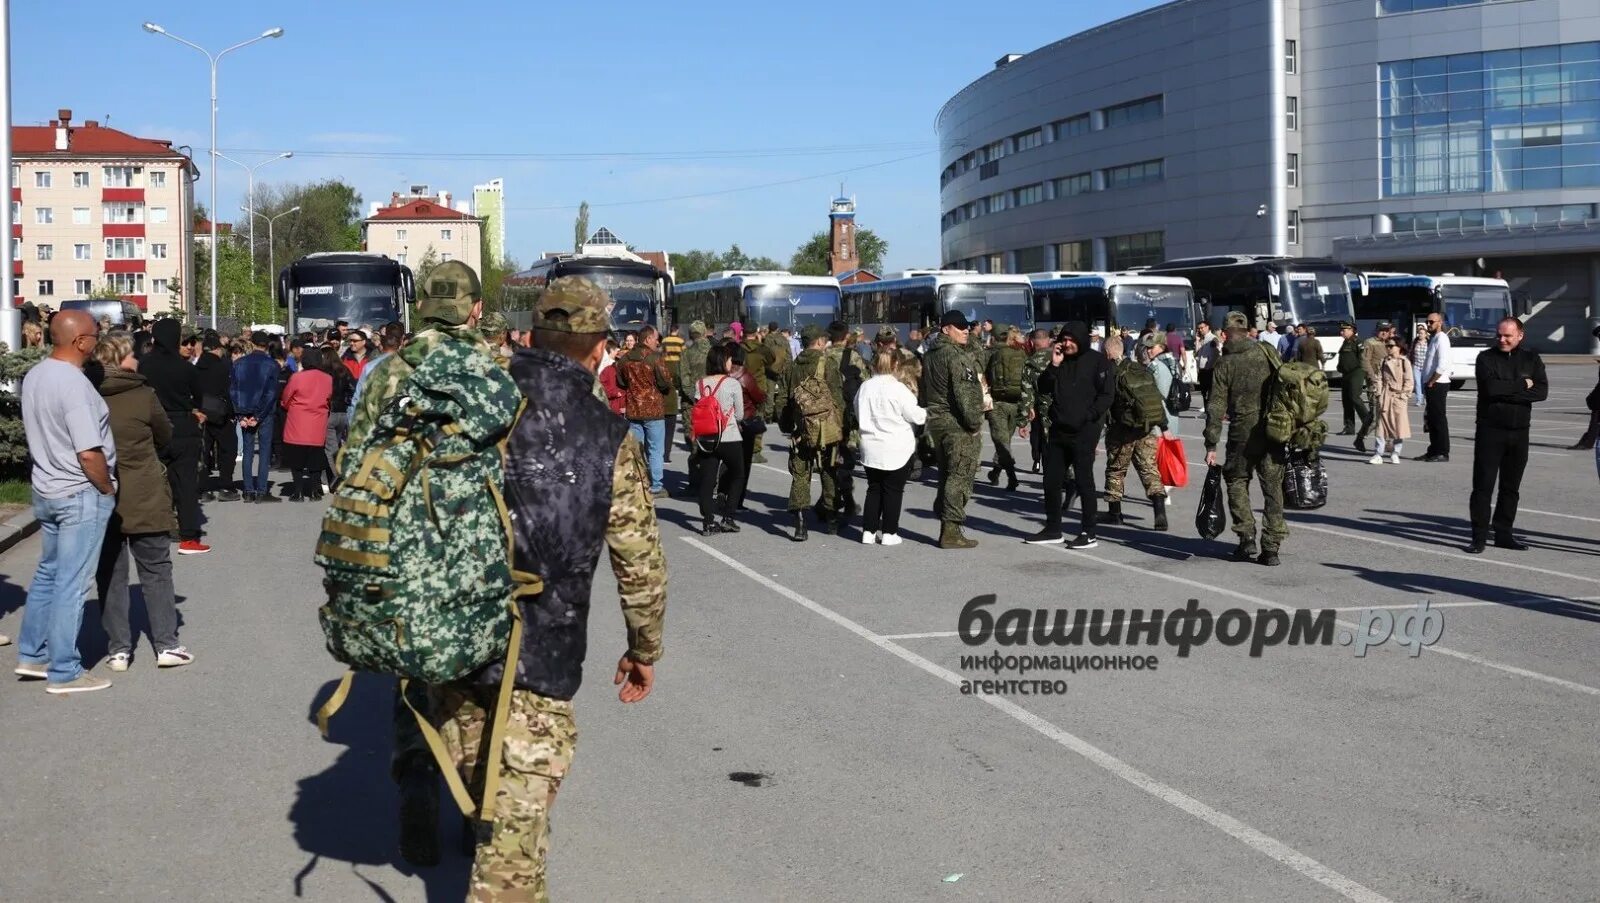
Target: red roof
202	227
421	209
89	139
657	259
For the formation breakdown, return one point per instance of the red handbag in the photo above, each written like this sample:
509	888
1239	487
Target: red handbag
1171	463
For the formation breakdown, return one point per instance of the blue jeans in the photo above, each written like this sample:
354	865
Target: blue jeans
653	435
257	455
1416	385
73	529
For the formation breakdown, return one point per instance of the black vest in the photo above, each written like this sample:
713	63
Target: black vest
559	465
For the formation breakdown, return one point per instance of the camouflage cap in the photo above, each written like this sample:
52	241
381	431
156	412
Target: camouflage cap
1236	320
697	329
1001	331
448	293
1152	340
573	304
887	334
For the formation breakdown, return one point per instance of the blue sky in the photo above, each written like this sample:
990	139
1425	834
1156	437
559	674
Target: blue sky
353	87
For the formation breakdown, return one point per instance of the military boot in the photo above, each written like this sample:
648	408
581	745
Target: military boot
1269	557
994	475
1011	479
419	812
950	537
1246	550
1112	514
1160	502
799	526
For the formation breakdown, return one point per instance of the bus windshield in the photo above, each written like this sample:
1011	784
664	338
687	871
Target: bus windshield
1318	296
792	306
633	296
1475	310
999	302
1165	304
363	305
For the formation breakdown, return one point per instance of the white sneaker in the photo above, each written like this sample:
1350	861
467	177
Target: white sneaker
118	661
890	539
4	640
176	657
868	539
1375	459
83	683
1394	458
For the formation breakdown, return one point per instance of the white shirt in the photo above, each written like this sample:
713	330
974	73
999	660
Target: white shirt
1437	364
885	411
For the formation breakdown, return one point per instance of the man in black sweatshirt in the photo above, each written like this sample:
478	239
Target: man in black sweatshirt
177	385
216	379
1510	379
1080	382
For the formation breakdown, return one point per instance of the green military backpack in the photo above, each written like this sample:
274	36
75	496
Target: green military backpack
1005	374
1137	403
1296	398
814	419
416	542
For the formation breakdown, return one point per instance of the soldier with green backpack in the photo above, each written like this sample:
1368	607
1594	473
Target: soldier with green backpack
1138	419
814	422
1007	363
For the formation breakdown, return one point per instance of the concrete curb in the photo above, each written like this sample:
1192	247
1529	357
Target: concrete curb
19	527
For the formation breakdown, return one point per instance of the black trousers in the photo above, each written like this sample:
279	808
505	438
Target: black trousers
720	470
222	446
844	475
736	501
1354	396
1070	456
183	475
1437	418
1206	376
1037	435
306	463
886	491
1590	434
1498	455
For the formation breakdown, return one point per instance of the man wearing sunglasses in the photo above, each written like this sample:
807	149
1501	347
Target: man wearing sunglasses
74	492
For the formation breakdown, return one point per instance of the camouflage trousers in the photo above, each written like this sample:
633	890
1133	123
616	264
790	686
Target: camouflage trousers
803	462
538	743
1124	447
1255	458
1004	421
956	452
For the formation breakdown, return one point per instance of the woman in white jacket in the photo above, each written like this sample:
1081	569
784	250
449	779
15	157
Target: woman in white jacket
886	411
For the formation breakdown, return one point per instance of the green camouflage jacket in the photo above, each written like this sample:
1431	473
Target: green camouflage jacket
691	367
950	388
384	380
1238	390
1032	398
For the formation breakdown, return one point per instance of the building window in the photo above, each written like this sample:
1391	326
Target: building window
1454	220
400	234
1030	260
47	287
158	178
158	286
1292	113
80	216
16	213
45	252
1082	183
445	257
1075	256
1508	120
994	150
1294	227
1406	6
123	212
82	286
1028	140
126	283
1134	174
158	250
81	252
16	249
1076	125
445	234
998	202
44	216
1291	59
120	176
41	179
1141	249
1030	194
997	263
80	180
124	248
1141	110
1293	171
158	214
400	258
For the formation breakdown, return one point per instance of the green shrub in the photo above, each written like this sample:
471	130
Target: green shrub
13	443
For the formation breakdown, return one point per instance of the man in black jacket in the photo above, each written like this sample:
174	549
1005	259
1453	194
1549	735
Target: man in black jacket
1081	383
1510	379
1586	441
221	444
177	385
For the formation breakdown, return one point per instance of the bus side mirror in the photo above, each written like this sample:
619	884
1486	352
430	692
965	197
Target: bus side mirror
408	285
283	290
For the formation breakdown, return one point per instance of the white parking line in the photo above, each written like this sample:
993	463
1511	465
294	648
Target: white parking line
1238	830
1406	547
1592	520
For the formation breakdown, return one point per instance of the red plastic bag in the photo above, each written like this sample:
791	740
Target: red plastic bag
1174	467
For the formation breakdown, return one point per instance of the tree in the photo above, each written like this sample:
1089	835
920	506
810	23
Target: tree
811	258
693	266
429	262
580	227
329	219
238	297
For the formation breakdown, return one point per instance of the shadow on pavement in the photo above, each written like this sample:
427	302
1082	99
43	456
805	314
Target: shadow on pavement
1438	585
13	596
1434	529
349	813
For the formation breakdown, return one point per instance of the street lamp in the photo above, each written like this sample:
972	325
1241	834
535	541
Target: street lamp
251	199
272	261
153	28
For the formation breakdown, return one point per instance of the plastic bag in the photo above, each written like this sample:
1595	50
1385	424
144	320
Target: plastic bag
1171	463
1305	483
1211	516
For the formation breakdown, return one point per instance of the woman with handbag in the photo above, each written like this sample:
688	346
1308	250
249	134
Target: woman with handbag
718	442
1395	386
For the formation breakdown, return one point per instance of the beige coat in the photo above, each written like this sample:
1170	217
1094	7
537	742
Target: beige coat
1394	395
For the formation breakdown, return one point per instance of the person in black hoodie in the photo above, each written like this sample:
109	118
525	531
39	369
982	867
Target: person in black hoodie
1510	380
216	384
177	385
1080	382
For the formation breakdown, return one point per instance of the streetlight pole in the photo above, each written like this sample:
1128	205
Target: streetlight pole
251	199
272	261
153	28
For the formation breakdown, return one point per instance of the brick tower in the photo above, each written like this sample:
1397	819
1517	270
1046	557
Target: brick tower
842	254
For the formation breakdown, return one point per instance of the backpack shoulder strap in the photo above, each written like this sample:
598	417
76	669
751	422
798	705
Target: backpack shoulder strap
1272	362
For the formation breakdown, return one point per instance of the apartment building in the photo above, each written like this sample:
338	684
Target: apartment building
93	207
412	225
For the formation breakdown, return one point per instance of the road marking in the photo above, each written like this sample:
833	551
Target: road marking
1549	454
1238	830
1592	520
1440	552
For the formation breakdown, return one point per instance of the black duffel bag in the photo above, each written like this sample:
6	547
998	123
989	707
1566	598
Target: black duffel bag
1305	482
1211	517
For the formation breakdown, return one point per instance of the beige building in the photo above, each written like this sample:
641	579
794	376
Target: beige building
96	207
410	227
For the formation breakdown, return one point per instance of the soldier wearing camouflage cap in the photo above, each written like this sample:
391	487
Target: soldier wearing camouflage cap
1008	361
1236	397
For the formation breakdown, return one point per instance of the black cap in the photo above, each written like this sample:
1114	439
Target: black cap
1346	324
1385	325
954	318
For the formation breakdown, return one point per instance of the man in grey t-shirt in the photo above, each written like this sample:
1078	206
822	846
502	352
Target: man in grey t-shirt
69	438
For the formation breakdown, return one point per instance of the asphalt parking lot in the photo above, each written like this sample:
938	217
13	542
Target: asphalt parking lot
809	739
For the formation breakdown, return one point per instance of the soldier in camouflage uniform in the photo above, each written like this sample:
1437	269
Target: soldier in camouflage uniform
803	461
1237	391
758	363
954	399
1006	417
779	358
576	481
1125	447
846	360
1036	404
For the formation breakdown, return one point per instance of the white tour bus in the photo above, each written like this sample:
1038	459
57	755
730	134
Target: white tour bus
1472	308
758	298
918	299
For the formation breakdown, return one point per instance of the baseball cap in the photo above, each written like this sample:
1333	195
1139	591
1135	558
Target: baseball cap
1346	324
1001	331
1151	340
697	329
573	304
887	334
448	293
1385	325
954	318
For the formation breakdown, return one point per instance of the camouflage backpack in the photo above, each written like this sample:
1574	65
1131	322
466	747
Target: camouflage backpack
1296	398
416	543
816	419
1137	403
1005	373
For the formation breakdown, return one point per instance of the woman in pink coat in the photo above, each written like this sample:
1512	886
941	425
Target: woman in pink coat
305	425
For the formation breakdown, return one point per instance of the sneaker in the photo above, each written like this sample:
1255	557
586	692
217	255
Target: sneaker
890	539
192	547
1084	541
83	683
4	640
32	670
1375	459
1046	537
228	495
263	498
176	657
659	493
118	661
1394	459
868	539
